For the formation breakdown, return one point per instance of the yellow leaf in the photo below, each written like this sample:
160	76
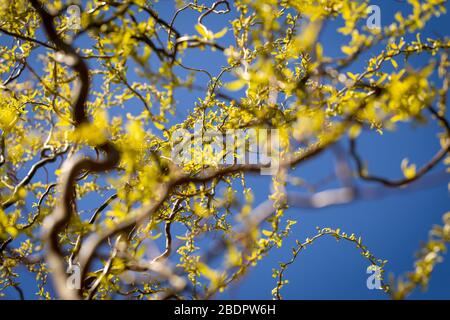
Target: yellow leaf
207	271
354	131
235	85
156	236
234	257
12	231
319	51
202	30
22	193
201	211
347	50
158	126
394	63
409	170
221	33
352	76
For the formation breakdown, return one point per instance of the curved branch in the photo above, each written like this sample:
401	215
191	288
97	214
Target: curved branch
25	38
60	217
34	168
168	233
421	172
75	61
93	218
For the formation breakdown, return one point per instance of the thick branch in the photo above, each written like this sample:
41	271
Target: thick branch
73	166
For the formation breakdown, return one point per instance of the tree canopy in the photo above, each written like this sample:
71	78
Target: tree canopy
99	191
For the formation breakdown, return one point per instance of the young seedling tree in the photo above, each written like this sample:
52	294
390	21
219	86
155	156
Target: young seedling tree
128	136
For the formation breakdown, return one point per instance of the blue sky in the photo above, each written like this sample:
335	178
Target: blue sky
392	227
